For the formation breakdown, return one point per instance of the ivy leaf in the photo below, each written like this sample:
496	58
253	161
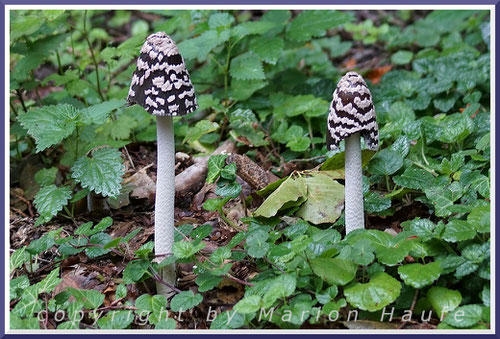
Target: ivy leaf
310	24
49	201
247	66
102	173
19	257
49	125
418	275
29	302
185	301
215	165
116	320
374	295
91	299
49	282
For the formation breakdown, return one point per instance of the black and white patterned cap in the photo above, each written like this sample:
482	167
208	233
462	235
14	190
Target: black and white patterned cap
352	111
161	82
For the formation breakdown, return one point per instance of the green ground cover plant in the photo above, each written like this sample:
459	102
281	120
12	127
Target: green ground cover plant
265	80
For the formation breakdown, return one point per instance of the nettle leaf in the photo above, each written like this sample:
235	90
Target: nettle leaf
252	27
443	299
414	178
375	295
247	66
385	162
268	49
325	199
418	275
185	301
102	173
199	47
98	114
291	190
220	20
50	124
46	176
302	104
333	270
464	316
310	24
49	201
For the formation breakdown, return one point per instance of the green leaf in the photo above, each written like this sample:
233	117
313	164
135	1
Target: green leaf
46	176
207	281
228	320
102	173
443	299
200	129
116	320
464	316
325	199
249	304
458	230
49	201
418	275
302	104
385	162
220	20
414	178
24	25
50	124
17	286
121	292
256	244
18	323
215	165
334	271
401	57
29	303
91	299
135	270
315	23
244	89
290	190
423	228
48	284
185	249
215	204
19	257
268	49
247	66
479	218
98	114
338	160
281	287
199	47
375	295
185	301
99	239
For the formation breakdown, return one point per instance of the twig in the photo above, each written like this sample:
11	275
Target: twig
243	282
403	324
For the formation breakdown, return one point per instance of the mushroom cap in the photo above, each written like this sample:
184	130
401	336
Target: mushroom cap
161	82
352	111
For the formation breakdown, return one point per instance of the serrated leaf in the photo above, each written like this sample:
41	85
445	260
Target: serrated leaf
199	47
46	176
185	301
385	162
206	281
268	49
249	304
310	24
50	124
50	200
415	178
247	66
102	173
458	230
418	275
98	114
220	20
135	270
374	295
185	249
464	316
479	218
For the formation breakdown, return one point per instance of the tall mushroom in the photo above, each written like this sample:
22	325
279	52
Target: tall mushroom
352	115
161	85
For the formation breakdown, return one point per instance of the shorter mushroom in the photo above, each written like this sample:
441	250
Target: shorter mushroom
352	115
161	85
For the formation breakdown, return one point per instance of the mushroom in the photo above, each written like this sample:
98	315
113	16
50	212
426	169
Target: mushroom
161	85
352	115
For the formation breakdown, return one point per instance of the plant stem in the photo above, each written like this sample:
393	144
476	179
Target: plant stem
77	142
227	221
85	35
387	184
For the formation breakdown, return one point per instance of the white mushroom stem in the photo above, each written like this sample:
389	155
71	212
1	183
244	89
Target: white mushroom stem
354	209
165	197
